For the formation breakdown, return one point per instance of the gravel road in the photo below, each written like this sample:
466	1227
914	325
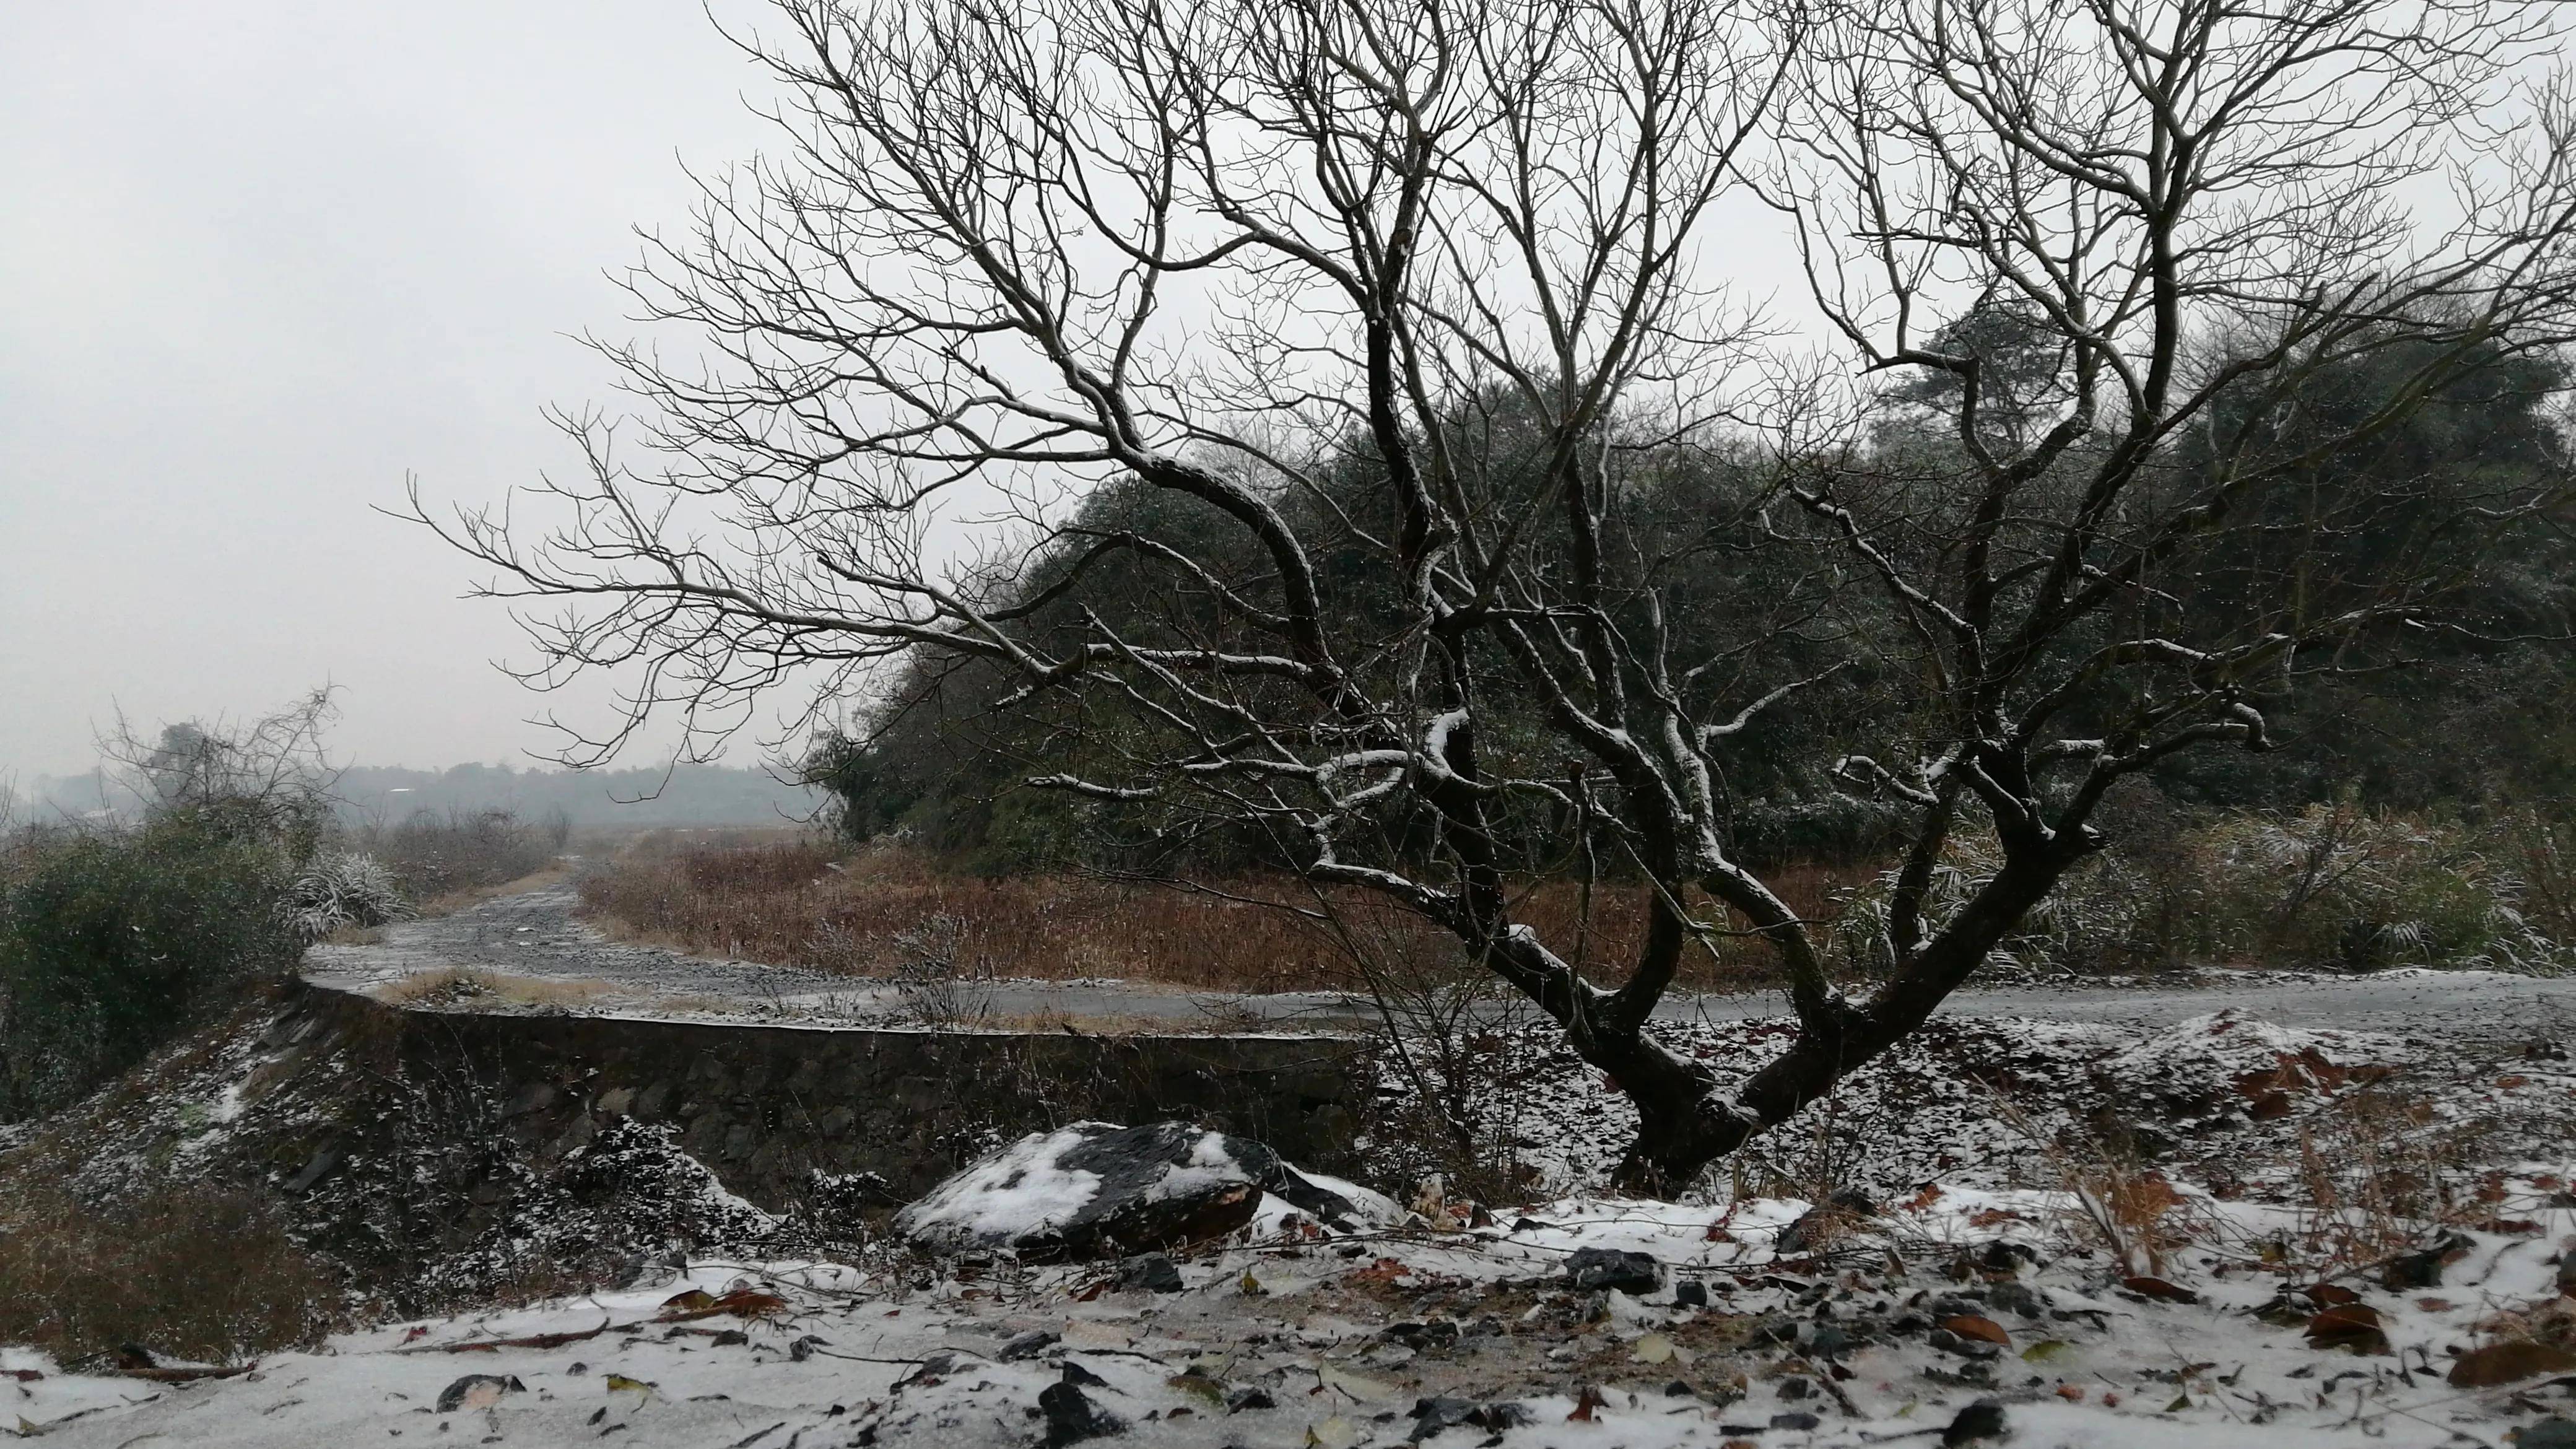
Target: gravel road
531	953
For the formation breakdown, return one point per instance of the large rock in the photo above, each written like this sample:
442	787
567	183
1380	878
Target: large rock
1098	1190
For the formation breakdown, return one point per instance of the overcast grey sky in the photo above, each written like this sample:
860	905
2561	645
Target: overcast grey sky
260	259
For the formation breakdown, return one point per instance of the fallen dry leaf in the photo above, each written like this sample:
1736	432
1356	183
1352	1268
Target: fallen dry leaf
741	1303
1334	1433
2159	1289
1347	1384
1587	1406
2508	1363
1654	1348
1983	1330
2351	1325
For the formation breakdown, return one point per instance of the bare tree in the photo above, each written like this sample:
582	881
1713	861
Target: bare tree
1468	253
272	775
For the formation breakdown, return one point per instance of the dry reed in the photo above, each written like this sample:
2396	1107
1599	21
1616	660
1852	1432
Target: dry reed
799	903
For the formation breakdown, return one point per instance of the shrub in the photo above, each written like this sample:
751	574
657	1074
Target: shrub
2340	885
341	889
2333	885
114	940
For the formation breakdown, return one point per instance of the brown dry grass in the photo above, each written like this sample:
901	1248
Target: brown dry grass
186	1269
798	903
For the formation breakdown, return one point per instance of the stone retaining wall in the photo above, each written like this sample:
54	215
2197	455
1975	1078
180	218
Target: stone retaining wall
764	1105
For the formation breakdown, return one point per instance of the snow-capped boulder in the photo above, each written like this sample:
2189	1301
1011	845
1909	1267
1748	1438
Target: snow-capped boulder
1095	1189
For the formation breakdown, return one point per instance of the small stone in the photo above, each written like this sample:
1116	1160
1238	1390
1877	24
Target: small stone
1830	1342
732	1338
1795	1419
1430	1416
2550	1433
1596	1269
2003	1257
2408	1272
535	1097
1983	1419
1071	1416
477	1391
1027	1345
315	1168
1690	1293
1151	1273
2021	1298
1793	1389
1249	1398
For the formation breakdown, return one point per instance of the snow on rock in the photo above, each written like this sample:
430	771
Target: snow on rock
1095	1188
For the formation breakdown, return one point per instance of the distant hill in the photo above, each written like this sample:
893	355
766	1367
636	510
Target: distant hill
688	795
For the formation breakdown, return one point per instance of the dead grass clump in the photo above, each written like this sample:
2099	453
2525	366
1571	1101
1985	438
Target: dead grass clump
794	903
186	1269
2378	1169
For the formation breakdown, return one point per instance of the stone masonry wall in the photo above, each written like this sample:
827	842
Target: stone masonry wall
764	1105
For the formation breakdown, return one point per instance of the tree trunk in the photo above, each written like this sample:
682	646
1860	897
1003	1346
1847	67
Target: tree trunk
1684	1121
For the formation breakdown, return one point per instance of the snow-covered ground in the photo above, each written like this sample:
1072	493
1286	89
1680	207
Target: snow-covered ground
1889	1329
2261	1210
2340	1239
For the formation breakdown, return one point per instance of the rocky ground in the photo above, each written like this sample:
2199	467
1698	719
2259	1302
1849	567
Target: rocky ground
1957	1316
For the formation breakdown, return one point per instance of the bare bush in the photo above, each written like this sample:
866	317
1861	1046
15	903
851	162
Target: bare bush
940	985
431	856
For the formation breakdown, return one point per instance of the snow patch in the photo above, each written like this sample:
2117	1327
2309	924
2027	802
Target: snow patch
1021	1191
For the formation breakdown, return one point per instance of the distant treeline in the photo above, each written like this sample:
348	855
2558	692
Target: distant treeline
385	794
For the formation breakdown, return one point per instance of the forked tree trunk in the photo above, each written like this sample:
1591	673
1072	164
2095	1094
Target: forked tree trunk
1685	1119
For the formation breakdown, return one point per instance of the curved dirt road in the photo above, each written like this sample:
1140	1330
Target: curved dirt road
528	952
